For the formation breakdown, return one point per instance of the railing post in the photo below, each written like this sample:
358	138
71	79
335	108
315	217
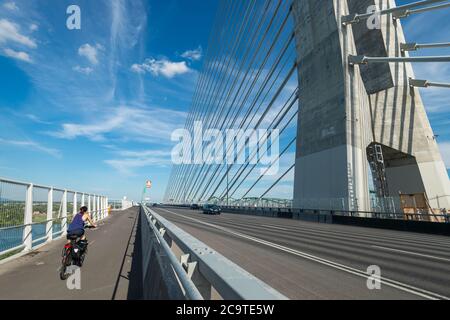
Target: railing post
89	205
75	200
105	207
49	225
99	213
94	207
101	208
27	238
64	214
83	200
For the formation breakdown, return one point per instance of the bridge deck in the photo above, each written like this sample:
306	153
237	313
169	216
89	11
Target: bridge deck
276	251
103	276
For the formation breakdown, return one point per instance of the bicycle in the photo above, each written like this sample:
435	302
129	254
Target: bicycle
74	253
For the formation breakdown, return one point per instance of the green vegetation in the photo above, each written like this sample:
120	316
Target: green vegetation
12	213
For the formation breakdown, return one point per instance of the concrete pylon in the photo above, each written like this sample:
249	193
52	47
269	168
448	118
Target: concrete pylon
344	109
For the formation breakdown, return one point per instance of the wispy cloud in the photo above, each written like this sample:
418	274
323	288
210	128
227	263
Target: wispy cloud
34	27
31	145
10	32
36	119
193	55
127	123
90	52
129	161
86	70
162	67
10	6
19	55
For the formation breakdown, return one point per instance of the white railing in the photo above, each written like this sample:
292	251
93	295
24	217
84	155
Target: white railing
32	215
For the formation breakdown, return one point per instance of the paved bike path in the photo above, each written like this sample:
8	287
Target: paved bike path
104	276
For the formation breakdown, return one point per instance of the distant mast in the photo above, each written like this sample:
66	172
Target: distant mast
146	192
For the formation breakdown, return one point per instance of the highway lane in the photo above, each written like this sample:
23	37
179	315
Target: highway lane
306	260
104	276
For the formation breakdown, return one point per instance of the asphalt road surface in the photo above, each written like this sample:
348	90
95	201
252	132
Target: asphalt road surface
302	260
105	274
306	260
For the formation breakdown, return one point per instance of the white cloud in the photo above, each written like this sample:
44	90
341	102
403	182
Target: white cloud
131	160
10	6
19	55
35	119
90	52
126	123
445	152
162	67
10	32
34	27
193	55
137	68
87	70
31	145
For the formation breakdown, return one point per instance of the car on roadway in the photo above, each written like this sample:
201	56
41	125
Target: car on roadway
195	207
211	209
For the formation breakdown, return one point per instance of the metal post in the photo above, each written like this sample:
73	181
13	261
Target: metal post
365	60
228	170
49	225
27	238
64	214
413	46
94	207
426	84
83	200
74	209
89	204
398	12
99	212
102	205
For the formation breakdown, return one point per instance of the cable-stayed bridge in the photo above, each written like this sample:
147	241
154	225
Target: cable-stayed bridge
338	85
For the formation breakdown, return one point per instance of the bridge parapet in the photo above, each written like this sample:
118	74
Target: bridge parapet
32	215
189	269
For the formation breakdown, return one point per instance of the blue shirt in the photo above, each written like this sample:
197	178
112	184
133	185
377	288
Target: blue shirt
77	222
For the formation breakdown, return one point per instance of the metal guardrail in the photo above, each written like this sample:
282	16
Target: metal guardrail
32	214
366	214
198	271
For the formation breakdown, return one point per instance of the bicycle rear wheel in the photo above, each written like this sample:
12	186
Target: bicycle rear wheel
66	261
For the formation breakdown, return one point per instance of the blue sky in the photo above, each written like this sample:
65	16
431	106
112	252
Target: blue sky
93	109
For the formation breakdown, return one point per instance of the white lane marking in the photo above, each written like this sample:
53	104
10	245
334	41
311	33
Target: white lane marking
412	253
273	227
389	282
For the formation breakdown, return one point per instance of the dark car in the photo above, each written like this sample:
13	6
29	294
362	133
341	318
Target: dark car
211	209
195	207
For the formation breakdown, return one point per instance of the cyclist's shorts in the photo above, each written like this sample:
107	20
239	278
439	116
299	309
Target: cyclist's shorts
76	232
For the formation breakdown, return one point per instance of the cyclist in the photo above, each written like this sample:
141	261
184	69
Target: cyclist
76	227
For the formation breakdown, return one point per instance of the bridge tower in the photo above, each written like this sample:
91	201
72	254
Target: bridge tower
345	109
